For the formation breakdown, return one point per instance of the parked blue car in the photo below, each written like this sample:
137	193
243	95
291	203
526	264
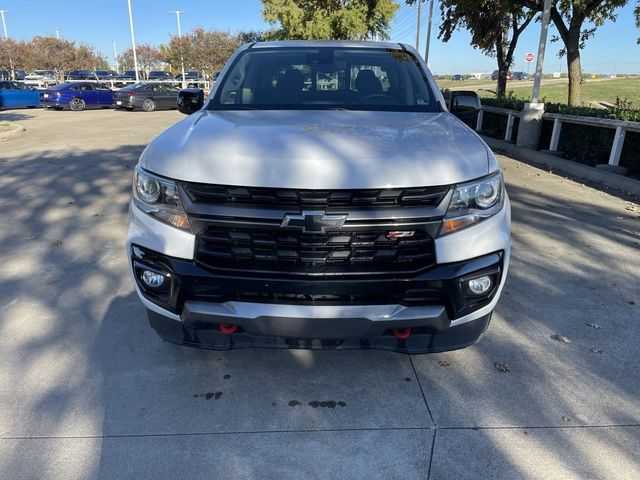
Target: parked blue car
77	96
16	95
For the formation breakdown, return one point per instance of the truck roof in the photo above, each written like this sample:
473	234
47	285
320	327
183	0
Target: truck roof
327	43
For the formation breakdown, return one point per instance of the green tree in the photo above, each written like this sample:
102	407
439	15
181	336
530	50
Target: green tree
495	27
576	22
250	36
328	19
636	12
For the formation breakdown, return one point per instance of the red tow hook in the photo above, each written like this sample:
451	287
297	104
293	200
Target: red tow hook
402	333
228	329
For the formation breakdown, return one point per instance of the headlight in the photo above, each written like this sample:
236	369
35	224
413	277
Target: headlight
159	198
473	202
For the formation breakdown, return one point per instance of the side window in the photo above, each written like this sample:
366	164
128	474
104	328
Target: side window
231	90
327	81
84	87
101	87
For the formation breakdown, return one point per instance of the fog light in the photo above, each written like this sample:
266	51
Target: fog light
152	279
480	285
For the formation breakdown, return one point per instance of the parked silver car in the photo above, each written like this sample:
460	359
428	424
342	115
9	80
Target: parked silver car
322	197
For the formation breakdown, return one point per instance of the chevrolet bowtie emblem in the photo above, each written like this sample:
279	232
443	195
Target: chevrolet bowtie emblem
314	222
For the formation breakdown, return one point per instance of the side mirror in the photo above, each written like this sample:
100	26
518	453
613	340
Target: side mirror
465	105
190	100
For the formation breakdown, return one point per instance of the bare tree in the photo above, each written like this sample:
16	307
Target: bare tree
149	58
203	50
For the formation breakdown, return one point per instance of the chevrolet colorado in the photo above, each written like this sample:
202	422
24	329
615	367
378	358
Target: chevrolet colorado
323	196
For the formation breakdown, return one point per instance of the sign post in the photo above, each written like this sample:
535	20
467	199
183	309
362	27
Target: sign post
529	58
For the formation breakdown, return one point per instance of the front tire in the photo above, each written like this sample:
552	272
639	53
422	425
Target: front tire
77	105
148	105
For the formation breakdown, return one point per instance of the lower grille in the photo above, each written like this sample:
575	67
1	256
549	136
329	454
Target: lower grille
415	297
340	252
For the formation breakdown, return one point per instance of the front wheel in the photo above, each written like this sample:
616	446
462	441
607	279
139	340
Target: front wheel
77	104
148	105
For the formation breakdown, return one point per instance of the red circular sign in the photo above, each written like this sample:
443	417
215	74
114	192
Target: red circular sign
529	57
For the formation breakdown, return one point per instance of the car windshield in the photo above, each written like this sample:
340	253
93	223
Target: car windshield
325	78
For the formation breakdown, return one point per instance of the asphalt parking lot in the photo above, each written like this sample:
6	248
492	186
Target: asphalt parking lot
88	391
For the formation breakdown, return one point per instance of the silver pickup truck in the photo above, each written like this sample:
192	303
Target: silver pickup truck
323	196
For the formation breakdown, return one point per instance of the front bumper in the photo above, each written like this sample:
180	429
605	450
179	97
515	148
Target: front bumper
420	342
199	300
194	303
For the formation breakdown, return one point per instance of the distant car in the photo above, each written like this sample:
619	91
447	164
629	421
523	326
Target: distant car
160	75
42	78
17	95
128	75
147	96
78	96
496	74
80	75
520	76
193	78
106	74
457	77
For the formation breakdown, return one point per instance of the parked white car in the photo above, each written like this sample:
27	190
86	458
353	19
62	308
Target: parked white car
41	78
322	197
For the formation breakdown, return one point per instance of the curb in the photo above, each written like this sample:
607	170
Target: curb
602	177
16	131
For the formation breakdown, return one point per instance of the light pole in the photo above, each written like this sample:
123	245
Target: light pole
133	43
4	23
115	56
426	48
531	117
6	37
178	13
418	25
546	14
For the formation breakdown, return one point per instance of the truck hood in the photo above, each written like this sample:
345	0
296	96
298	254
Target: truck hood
319	149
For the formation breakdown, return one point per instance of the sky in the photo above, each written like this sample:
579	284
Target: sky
98	24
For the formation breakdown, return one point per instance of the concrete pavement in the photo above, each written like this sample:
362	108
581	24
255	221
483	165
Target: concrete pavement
88	391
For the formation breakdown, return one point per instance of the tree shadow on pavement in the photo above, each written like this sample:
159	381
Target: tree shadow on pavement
15	115
81	367
567	330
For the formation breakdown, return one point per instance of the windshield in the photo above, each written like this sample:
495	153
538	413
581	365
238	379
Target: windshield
325	78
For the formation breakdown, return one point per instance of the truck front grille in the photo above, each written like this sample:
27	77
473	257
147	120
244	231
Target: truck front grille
322	199
342	251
